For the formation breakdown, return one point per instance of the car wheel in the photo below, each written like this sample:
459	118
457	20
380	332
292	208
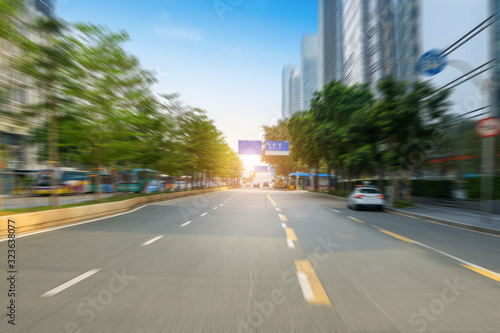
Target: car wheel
355	207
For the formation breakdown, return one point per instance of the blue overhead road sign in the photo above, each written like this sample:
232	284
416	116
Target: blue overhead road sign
260	168
252	147
277	148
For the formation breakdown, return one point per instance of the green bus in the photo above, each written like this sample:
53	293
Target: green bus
135	180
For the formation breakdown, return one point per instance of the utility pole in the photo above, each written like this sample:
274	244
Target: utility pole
488	158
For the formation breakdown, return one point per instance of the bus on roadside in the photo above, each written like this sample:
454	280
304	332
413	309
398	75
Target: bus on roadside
105	181
68	181
135	180
279	182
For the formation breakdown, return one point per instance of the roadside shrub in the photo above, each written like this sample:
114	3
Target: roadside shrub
432	188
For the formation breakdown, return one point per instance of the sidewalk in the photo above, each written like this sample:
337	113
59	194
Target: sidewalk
466	219
456	217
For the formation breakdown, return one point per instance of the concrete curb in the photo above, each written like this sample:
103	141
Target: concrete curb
429	218
444	221
35	221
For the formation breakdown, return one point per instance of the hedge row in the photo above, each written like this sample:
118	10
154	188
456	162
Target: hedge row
442	189
474	188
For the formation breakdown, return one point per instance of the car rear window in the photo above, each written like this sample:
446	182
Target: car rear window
369	191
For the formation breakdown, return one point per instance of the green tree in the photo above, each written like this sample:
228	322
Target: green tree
46	61
410	116
331	110
283	165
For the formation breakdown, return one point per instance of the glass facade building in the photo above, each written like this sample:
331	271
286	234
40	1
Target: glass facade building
376	38
330	35
295	91
285	90
291	90
309	68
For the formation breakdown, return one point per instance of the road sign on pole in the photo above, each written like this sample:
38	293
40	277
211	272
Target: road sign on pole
277	148
488	127
249	147
432	62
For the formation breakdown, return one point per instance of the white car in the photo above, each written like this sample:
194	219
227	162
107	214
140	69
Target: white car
366	197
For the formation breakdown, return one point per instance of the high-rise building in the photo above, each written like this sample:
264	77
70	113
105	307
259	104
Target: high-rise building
309	68
330	36
295	91
356	60
45	7
399	38
291	86
285	90
13	133
381	38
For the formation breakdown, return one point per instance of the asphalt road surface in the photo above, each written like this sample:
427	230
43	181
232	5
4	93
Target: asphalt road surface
254	260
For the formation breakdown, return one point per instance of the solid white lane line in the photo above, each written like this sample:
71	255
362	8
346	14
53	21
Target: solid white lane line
283	225
290	243
152	240
305	286
70	283
185	224
204	214
456	258
93	220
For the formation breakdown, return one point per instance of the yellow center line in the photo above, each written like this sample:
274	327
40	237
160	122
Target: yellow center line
290	234
355	219
283	218
272	201
334	210
318	296
487	273
396	236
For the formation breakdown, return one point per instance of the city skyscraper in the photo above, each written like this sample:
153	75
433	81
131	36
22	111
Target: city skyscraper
309	68
356	59
295	91
381	38
285	90
399	38
291	90
330	35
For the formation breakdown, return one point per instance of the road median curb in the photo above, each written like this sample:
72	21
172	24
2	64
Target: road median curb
35	221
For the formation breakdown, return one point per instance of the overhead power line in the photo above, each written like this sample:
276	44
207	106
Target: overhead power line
468	36
465	76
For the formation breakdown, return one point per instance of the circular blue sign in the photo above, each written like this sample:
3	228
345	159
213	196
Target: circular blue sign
432	62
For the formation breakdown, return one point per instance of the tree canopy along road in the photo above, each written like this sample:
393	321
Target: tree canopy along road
256	260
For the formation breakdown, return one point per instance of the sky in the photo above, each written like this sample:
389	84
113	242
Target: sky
226	56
